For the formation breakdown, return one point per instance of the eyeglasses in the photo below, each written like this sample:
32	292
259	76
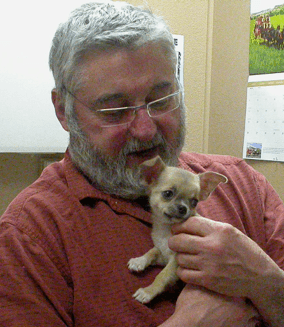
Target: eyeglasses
121	116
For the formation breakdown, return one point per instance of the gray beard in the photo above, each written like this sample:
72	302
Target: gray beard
109	174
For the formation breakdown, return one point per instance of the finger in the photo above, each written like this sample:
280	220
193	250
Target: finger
185	243
188	261
192	276
195	225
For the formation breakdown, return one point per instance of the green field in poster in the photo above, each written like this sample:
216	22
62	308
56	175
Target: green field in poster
266	54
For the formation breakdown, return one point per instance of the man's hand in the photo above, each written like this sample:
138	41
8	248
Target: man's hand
198	307
219	257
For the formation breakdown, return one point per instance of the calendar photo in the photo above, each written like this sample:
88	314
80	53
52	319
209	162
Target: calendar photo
254	150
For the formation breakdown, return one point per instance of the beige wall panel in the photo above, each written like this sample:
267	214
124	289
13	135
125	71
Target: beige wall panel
17	171
229	76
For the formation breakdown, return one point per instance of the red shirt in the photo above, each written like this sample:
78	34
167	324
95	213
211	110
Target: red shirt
64	246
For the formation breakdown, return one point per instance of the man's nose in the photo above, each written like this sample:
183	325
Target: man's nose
143	126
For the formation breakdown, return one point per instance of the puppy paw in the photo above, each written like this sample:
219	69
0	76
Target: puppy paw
143	296
137	264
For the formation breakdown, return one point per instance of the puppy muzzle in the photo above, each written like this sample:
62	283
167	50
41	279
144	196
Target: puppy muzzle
178	212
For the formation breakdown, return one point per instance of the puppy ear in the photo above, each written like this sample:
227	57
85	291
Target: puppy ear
151	170
208	182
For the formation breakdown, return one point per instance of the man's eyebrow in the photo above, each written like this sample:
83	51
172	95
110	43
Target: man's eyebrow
162	85
116	96
107	97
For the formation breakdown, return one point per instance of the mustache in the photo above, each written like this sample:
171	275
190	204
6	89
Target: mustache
135	145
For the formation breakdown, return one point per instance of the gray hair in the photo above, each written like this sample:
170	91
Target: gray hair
103	26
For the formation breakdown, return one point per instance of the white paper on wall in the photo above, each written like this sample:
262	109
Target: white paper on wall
264	128
179	45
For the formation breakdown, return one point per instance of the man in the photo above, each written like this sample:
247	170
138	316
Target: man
66	240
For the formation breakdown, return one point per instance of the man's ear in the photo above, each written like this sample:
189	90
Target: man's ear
59	108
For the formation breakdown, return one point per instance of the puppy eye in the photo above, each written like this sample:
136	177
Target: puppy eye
168	194
193	203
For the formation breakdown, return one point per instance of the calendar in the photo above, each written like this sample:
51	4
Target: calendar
264	126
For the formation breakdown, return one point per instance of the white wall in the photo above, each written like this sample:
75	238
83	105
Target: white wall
28	122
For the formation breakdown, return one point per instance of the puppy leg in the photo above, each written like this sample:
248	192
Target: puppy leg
140	263
164	279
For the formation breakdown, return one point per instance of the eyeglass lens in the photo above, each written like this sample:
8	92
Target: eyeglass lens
114	117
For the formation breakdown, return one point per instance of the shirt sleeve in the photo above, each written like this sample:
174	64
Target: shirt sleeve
273	220
33	290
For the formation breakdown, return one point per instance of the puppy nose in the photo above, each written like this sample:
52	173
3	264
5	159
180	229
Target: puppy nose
182	209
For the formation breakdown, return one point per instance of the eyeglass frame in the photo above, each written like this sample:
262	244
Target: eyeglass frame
133	109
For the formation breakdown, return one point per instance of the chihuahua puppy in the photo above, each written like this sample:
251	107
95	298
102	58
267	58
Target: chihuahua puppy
173	195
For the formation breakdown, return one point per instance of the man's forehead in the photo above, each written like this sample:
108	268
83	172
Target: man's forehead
129	61
119	74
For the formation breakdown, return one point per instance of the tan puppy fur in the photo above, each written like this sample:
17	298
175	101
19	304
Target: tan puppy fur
173	194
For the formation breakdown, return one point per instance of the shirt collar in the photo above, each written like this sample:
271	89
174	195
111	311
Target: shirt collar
82	189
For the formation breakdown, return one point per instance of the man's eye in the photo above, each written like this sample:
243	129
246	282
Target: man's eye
168	194
160	105
115	115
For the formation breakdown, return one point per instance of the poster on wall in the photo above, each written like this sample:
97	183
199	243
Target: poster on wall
266	58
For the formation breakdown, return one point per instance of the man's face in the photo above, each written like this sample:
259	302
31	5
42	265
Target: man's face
124	78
